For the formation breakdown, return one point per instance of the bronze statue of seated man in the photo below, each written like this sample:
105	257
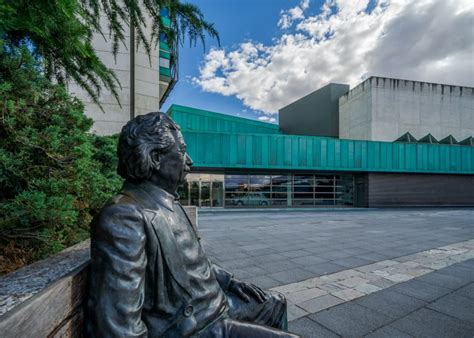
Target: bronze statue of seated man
150	276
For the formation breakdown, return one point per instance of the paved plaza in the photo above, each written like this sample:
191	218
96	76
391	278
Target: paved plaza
353	273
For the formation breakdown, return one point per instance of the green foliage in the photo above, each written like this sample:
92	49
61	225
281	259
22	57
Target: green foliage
54	176
60	32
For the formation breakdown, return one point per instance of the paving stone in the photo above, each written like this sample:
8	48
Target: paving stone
374	256
388	332
308	260
348	294
232	256
289	288
238	263
350	319
392	304
331	255
367	288
459	271
324	268
351	262
268	258
431	324
320	303
295	253
278	266
467	291
455	306
369	267
418	271
251	247
303	295
260	252
295	312
443	280
331	287
264	282
420	290
357	251
307	328
342	275
291	276
399	277
353	281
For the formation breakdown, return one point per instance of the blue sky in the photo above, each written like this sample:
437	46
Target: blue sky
236	21
275	51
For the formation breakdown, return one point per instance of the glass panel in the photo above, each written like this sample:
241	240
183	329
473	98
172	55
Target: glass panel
345	190
281	190
205	194
183	193
260	183
194	193
236	189
217	194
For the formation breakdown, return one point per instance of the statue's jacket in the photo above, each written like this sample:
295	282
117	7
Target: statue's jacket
149	273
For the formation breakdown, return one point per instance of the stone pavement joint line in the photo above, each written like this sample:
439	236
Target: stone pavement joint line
320	293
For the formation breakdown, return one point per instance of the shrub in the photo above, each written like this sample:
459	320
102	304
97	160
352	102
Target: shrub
54	175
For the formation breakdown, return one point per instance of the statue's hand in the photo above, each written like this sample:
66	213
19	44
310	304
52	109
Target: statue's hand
244	290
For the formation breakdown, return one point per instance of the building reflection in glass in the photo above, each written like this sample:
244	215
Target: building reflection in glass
270	190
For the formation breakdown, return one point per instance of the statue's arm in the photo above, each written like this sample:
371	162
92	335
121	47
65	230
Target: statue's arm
118	263
223	276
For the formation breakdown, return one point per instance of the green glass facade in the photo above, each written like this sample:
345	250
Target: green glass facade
245	163
220	142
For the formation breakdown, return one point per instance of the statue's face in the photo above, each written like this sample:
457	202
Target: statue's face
175	163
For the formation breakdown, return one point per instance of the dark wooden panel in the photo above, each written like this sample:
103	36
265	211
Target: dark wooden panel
420	190
45	312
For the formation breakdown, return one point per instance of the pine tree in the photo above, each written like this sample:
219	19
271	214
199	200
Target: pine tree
60	33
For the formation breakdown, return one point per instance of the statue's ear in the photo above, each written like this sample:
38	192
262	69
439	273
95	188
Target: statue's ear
155	159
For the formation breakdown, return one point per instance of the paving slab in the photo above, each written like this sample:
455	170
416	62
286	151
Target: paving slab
431	324
291	276
443	280
388	332
421	290
350	319
365	257
392	304
310	329
320	303
264	282
294	312
467	291
324	268
455	306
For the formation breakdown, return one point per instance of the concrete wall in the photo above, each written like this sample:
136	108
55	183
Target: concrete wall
315	114
382	109
143	74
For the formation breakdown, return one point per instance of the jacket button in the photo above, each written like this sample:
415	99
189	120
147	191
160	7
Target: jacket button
188	310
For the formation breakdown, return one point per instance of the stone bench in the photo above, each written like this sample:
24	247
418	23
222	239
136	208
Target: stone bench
46	299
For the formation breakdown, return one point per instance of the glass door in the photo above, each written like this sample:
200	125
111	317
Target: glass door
205	194
217	194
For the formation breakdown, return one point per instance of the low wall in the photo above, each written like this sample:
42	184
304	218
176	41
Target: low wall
45	299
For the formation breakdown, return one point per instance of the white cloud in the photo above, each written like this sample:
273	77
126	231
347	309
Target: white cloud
265	118
296	13
426	40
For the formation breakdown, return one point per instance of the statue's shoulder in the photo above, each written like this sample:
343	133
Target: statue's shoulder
119	213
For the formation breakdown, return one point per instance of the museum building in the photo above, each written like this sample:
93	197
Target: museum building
384	143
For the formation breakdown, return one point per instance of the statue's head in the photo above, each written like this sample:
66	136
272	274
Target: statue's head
151	147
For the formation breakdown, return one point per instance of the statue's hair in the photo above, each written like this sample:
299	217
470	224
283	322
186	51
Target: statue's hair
139	138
